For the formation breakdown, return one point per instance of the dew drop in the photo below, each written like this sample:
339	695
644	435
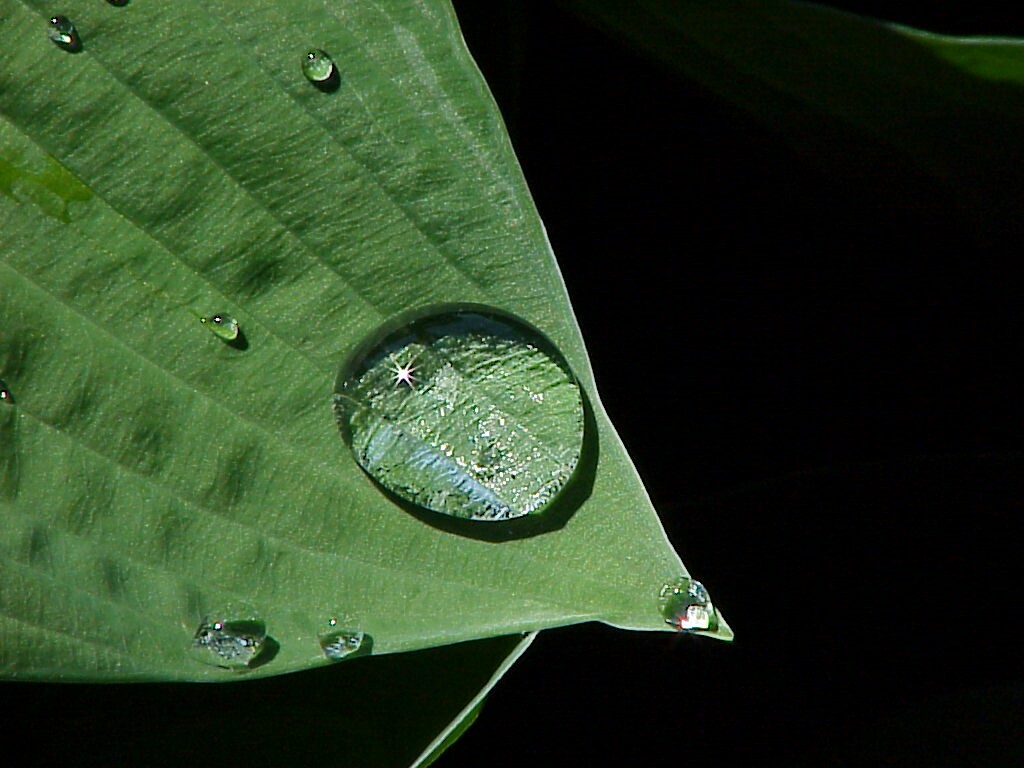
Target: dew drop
230	644
5	394
222	326
318	67
338	643
64	34
437	409
686	605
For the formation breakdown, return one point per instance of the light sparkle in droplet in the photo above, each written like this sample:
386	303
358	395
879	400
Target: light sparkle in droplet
63	33
317	66
222	326
686	605
229	644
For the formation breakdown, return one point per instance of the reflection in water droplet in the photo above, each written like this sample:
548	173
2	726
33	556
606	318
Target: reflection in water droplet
338	643
5	394
64	34
229	644
443	411
686	605
317	66
222	326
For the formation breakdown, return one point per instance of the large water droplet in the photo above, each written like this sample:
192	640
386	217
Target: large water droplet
222	326
686	605
64	34
230	644
467	411
5	394
318	67
338	643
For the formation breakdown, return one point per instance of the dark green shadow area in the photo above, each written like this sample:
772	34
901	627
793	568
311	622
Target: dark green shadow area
918	119
331	84
270	650
376	711
9	474
240	342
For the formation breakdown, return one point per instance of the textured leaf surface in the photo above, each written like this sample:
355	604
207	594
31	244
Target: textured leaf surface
916	112
150	474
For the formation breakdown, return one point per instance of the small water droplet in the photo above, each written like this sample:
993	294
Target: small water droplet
437	409
686	605
64	34
230	644
222	326
6	397
338	643
317	66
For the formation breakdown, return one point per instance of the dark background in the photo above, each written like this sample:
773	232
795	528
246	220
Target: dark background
822	393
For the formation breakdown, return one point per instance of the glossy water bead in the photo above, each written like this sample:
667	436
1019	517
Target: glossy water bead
317	66
465	411
64	34
232	644
338	642
222	326
686	605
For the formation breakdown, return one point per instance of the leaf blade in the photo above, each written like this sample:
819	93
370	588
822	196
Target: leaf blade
199	478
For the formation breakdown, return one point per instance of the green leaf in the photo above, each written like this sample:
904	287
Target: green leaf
181	166
918	116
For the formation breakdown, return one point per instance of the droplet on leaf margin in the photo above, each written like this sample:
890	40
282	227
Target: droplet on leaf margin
686	605
465	411
231	644
338	643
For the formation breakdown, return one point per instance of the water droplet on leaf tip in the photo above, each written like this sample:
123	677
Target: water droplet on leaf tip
64	34
222	326
686	605
233	644
437	409
318	67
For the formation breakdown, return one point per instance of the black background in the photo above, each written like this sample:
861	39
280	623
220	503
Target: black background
822	393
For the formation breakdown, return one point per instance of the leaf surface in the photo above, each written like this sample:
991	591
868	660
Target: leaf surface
151	475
